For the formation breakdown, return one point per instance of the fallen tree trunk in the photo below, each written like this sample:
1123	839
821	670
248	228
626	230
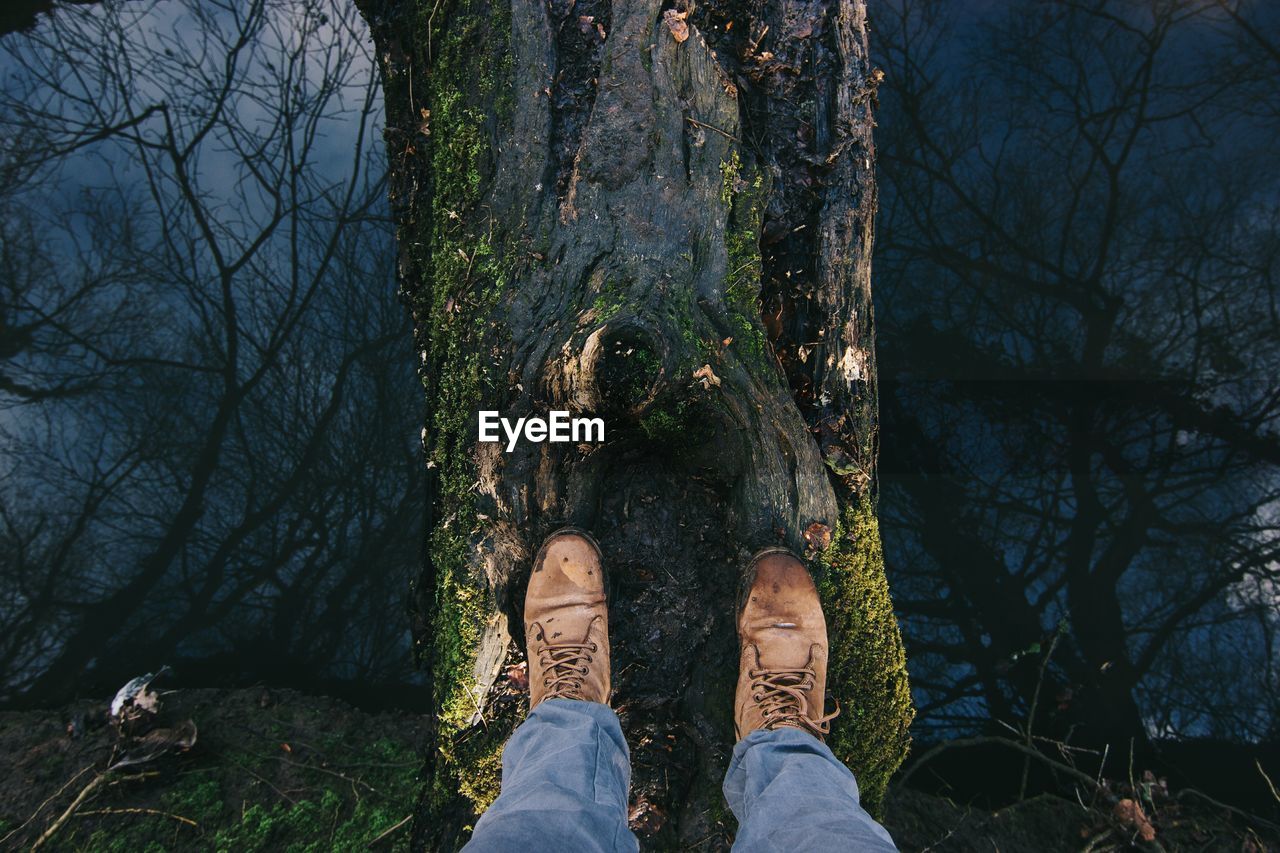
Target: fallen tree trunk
662	217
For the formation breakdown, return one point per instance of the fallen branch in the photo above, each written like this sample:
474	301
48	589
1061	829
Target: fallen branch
71	809
264	780
1262	821
960	743
1270	784
40	808
188	821
386	833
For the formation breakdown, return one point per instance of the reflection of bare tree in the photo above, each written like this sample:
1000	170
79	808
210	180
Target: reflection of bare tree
23	14
206	384
1078	271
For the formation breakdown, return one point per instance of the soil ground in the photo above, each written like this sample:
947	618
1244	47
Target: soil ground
281	770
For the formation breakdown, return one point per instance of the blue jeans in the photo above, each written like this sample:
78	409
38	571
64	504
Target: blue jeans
566	770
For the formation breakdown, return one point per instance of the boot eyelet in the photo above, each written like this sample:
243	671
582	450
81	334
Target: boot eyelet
594	647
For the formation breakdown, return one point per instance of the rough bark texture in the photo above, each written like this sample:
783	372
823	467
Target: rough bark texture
660	215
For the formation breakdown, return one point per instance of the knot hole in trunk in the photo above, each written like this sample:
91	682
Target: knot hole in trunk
626	363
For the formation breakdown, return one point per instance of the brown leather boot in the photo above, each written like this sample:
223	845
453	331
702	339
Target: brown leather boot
566	621
782	674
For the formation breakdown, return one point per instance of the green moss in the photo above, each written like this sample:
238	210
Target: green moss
867	669
744	193
280	827
729	171
201	801
483	759
468	267
111	842
605	309
609	301
309	826
669	425
335	819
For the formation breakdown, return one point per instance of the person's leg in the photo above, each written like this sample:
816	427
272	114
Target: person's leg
565	770
790	793
565	774
787	789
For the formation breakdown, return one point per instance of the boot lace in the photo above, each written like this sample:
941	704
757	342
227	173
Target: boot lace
564	666
781	695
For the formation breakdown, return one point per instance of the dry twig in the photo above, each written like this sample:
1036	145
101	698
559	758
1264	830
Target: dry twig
40	808
386	833
959	743
1270	784
71	809
1035	701
139	810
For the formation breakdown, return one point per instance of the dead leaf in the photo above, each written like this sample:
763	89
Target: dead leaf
818	535
137	694
155	744
645	817
708	377
136	706
518	675
1129	812
675	22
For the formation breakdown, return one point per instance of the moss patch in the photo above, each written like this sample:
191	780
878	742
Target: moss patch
867	671
468	268
744	193
271	771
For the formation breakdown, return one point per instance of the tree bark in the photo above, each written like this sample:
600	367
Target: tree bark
662	217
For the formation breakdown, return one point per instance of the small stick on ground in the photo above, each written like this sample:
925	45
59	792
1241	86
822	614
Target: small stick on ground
1262	821
960	743
138	810
1271	785
386	833
71	809
48	800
